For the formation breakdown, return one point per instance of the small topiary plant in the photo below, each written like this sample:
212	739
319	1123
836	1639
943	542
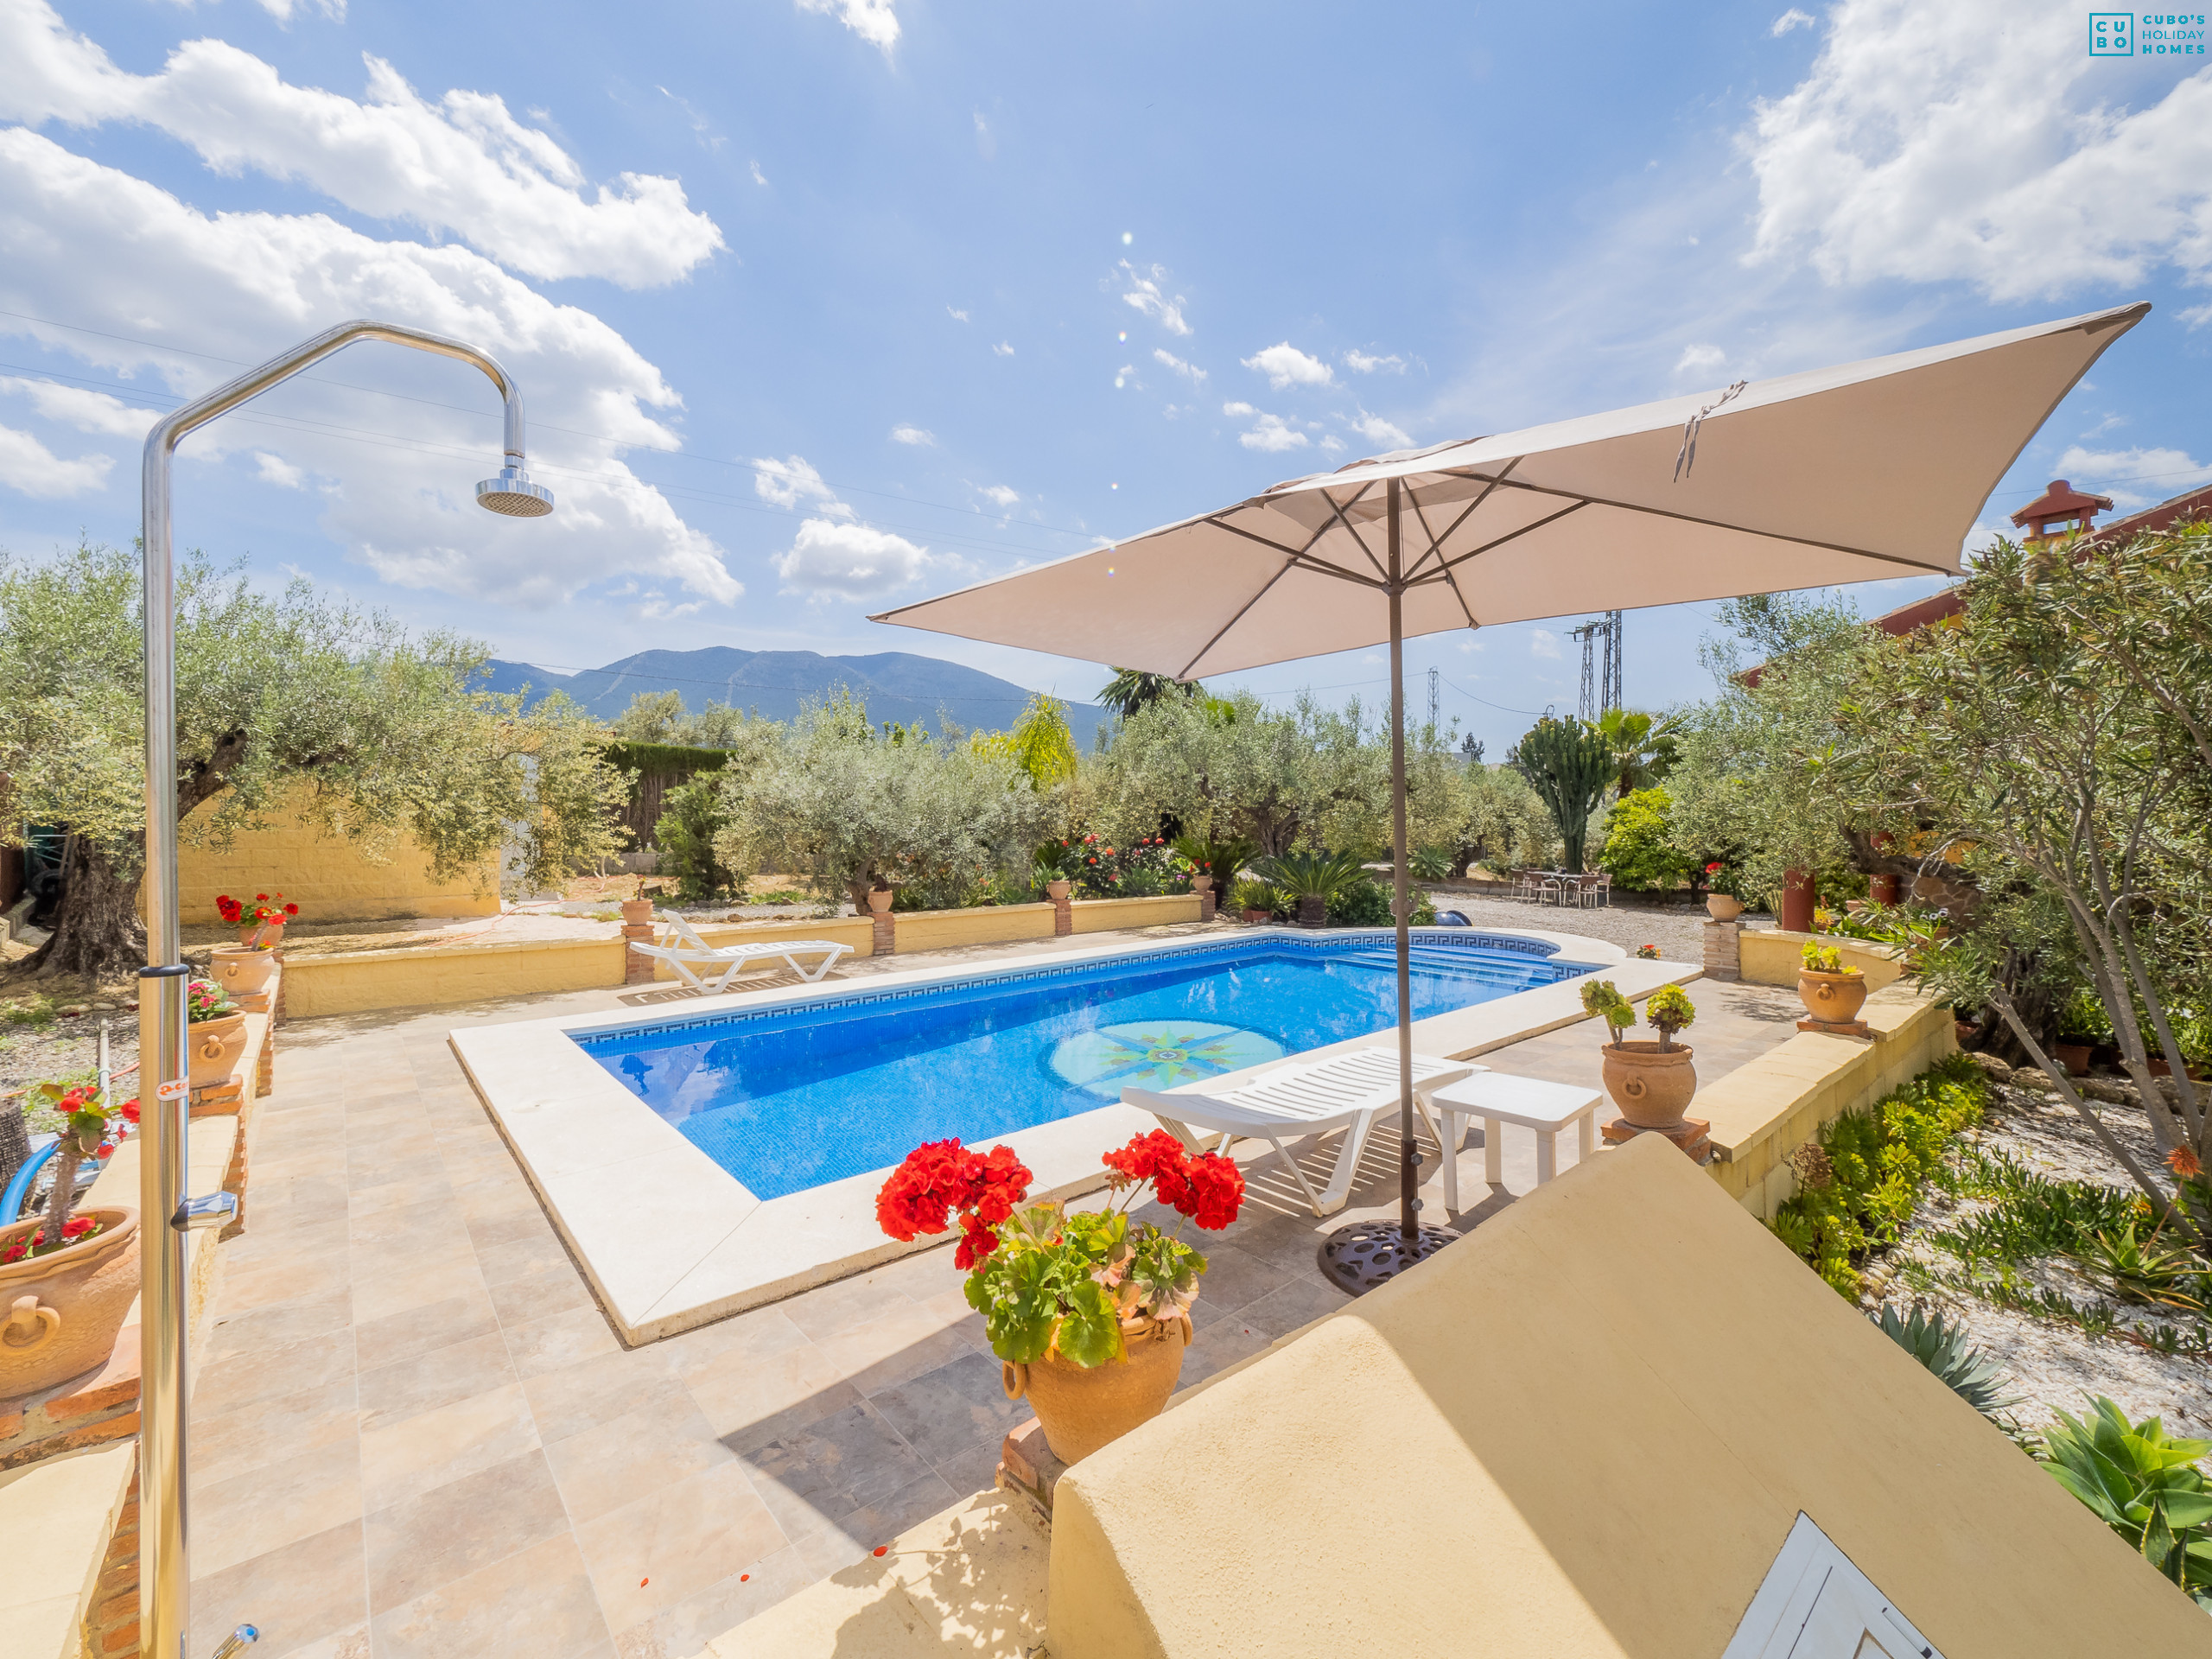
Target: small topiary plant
1602	998
1668	1010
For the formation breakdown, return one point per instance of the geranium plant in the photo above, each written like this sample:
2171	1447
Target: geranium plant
204	1000
266	910
1047	1279
91	1128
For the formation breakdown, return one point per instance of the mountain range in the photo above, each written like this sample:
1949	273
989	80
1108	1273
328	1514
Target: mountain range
894	684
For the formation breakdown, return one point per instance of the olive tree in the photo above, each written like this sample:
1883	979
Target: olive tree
290	702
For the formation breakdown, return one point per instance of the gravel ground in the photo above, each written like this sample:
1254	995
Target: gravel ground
1678	930
2054	1365
67	1048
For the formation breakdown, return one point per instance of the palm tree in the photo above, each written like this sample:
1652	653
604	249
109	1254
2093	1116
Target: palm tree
1645	747
1132	688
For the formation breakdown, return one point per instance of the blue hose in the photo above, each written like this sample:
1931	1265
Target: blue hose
20	1185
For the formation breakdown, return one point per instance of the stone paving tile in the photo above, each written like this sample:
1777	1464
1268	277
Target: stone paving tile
416	1434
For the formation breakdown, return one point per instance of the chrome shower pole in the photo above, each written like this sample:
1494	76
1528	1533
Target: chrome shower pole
166	1213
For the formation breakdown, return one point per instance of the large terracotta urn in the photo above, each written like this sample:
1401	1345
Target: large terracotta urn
58	1313
879	900
1082	1410
261	939
637	912
1651	1085
1722	908
240	970
214	1047
1058	891
1834	999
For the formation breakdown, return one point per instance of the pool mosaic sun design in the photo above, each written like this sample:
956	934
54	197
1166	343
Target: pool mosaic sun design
1158	1055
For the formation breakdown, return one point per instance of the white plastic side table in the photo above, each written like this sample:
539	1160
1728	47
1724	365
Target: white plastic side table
1498	1098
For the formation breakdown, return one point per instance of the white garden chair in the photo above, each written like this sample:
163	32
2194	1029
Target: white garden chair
682	949
1345	1091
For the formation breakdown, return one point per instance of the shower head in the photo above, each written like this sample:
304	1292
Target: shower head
512	493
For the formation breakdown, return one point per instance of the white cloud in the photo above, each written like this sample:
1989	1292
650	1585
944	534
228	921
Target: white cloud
463	165
27	466
87	410
920	437
873	20
787	483
1972	142
1002	349
275	469
115	253
1362	363
1127	376
1237	410
1542	642
1378	431
851	561
957	317
1699	360
1273	436
1147	295
2195	317
2159	473
758	177
1001	494
283	10
1285	365
1790	19
1190	371
1333	444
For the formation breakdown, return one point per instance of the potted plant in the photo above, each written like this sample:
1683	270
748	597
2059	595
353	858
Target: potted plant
67	1280
260	922
1650	1082
1089	1314
1312	878
1255	900
217	1034
1832	990
1214	864
1054	864
1720	904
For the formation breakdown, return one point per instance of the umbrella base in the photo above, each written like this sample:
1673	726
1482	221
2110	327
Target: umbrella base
1366	1253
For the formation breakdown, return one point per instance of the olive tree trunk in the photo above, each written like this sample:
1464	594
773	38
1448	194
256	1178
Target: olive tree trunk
97	932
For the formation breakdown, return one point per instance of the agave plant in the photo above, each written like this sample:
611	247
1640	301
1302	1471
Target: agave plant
1430	863
2144	1486
1965	1369
1311	878
2139	1270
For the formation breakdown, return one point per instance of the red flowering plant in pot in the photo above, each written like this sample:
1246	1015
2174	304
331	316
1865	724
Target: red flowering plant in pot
1088	1313
67	1280
260	922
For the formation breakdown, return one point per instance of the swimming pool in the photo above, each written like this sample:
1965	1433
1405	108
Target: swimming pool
790	1097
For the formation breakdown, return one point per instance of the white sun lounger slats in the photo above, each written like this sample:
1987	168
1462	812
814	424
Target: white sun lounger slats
682	949
1345	1091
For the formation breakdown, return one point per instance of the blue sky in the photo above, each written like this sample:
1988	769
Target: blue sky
824	306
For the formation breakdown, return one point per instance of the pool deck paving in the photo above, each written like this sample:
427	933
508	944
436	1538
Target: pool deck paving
415	1433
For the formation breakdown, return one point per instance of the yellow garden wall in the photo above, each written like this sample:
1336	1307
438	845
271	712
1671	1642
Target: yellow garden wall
327	876
942	930
1769	957
1768	1108
1582	1433
432	975
1104	915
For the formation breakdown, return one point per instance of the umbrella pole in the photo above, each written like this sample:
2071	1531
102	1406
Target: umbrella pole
1366	1253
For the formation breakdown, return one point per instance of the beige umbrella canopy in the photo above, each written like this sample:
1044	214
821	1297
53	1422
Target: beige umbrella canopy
1869	470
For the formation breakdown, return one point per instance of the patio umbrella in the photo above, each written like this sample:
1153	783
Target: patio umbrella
1870	470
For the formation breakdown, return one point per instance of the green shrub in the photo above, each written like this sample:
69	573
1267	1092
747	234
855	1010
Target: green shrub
1860	1183
1360	902
1637	853
688	823
2144	1486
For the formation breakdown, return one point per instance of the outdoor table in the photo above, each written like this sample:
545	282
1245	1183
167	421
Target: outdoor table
1499	1098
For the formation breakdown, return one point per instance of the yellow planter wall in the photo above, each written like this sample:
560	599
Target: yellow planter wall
1103	915
941	929
434	975
327	877
1769	957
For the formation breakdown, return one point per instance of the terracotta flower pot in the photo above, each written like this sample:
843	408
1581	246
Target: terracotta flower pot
637	912
1651	1085
213	1046
1257	916
241	971
1082	1410
1313	910
58	1313
879	899
1722	908
1200	882
1059	890
1835	998
262	939
2075	1057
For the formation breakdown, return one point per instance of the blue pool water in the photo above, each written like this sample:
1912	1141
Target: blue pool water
790	1097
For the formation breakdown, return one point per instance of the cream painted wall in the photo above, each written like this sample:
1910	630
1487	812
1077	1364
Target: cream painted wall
327	877
1584	1431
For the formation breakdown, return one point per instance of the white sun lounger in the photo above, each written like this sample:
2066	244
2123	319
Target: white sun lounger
1345	1091
681	948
